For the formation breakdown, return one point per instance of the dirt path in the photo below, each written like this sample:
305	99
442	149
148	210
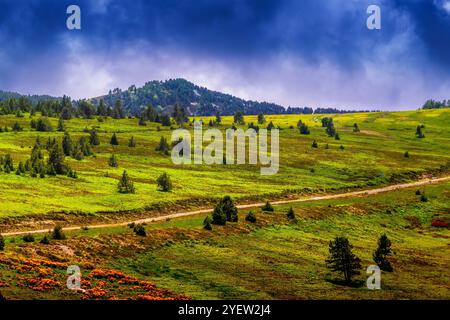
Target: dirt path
251	205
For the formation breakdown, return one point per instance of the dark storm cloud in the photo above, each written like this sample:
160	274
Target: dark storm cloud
315	52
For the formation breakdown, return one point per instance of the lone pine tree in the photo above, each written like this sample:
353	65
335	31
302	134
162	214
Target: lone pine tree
341	259
125	184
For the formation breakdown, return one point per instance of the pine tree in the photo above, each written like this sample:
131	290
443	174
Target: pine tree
314	144
61	125
56	159
267	207
304	128
2	243
8	164
142	121
355	127
131	142
380	256
207	223
164	182
163	145
270	126
291	214
250	217
341	259
336	136
94	140
125	184
67	144
113	161
218	216
114	141
261	119
16	127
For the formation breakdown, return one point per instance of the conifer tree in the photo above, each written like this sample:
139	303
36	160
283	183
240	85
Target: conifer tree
114	141
164	182
67	144
125	184
131	142
61	125
341	259
113	161
380	256
94	140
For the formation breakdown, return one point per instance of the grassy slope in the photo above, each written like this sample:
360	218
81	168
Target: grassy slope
286	261
369	158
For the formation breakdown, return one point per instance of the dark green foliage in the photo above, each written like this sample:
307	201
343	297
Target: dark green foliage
315	144
94	140
112	162
250	217
267	207
207	223
336	136
261	119
16	127
67	144
28	238
114	141
180	114
86	109
355	127
291	214
406	154
56	160
125	184
423	198
380	256
341	259
341	147
418	193
72	174
270	126
58	233
2	243
419	132
163	146
118	112
330	129
165	120
139	230
61	125
131	142
43	124
164	182
218	118
142	121
239	118
225	210
45	240
8	164
303	128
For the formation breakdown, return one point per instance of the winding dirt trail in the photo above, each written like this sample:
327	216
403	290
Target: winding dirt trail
251	205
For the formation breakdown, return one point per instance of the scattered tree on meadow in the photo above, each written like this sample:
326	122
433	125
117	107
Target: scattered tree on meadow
94	140
250	217
114	141
16	127
139	230
142	121
125	184
61	125
341	259
2	243
112	161
218	118
165	120
355	127
315	144
270	126
291	214
207	223
43	124
267	207
163	145
419	132
224	211
406	154
238	118
117	112
261	119
58	233
56	159
164	182
131	142
380	256
336	136
303	128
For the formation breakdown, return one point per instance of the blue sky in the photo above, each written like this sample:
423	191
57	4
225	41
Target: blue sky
317	53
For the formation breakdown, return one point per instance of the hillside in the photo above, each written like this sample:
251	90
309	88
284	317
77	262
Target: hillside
197	100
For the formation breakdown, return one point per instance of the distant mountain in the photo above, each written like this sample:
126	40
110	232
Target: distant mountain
163	95
5	95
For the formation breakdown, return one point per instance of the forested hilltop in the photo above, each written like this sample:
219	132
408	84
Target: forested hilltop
162	96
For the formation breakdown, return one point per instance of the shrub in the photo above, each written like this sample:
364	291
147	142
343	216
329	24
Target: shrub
43	124
207	223
291	214
2	243
423	198
113	161
164	182
418	193
45	240
267	207
28	238
58	233
218	216
315	144
251	217
125	184
139	230
132	143
406	154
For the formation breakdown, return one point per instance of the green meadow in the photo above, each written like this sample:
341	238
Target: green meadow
369	157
